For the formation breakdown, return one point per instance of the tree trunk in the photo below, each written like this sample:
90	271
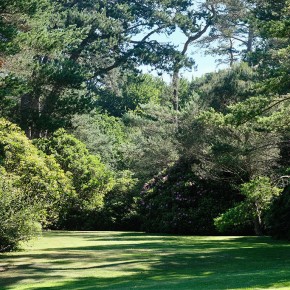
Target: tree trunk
175	86
29	115
258	220
250	39
232	58
258	227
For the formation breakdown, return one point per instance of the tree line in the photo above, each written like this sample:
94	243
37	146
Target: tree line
90	142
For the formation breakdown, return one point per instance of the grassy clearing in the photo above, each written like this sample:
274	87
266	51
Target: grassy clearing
122	260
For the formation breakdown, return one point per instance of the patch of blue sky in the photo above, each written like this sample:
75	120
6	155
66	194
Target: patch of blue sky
203	63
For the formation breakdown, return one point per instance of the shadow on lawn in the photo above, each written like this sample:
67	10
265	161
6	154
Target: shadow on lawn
172	263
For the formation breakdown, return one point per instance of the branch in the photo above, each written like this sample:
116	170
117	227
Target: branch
239	39
200	33
148	35
135	26
287	97
124	57
194	37
76	53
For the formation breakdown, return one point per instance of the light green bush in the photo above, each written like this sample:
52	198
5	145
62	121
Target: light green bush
33	187
18	217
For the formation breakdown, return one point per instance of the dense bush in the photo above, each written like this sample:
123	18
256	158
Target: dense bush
33	187
120	204
178	201
19	219
103	136
90	177
279	216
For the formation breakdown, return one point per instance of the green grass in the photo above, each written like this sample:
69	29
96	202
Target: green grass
123	260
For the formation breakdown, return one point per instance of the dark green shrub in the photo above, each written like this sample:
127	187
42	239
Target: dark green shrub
178	201
278	219
120	204
259	193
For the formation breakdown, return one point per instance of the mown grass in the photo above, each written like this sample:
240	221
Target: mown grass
124	260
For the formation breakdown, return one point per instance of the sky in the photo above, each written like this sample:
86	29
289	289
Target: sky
205	63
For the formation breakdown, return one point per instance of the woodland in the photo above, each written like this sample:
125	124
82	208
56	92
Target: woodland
89	141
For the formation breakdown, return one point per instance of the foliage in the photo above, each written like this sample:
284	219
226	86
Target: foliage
278	217
272	57
178	201
120	204
19	219
226	150
103	136
76	65
39	176
90	177
258	195
147	128
33	187
235	34
226	87
69	48
123	93
12	14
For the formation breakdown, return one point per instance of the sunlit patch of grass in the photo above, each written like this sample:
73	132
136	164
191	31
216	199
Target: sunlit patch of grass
127	260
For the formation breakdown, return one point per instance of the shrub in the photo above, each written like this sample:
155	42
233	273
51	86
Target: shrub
18	217
278	219
120	204
33	187
251	211
90	178
178	201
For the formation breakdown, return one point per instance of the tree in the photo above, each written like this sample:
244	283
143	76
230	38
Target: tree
178	201
126	92
235	34
258	192
278	216
271	57
120	209
227	149
226	87
19	220
12	14
73	46
241	145
147	128
194	25
38	176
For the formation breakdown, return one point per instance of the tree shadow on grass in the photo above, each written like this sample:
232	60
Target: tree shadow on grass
171	282
110	236
174	263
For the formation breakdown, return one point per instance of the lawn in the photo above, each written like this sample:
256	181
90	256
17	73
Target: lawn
125	260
